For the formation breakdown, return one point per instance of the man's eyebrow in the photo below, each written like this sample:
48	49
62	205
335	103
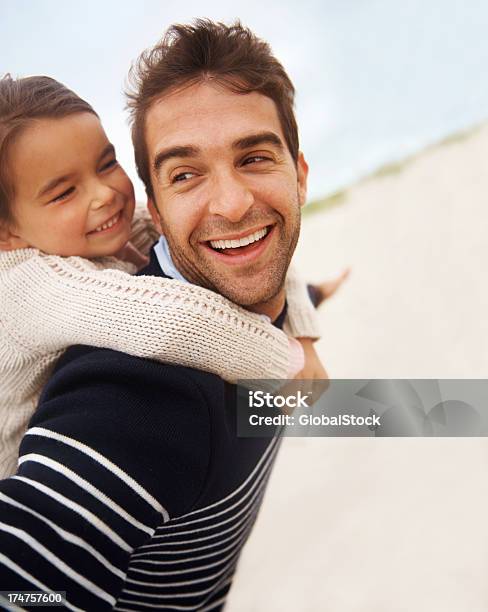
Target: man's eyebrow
179	151
254	140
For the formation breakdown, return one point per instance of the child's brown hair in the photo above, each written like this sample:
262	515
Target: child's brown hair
23	101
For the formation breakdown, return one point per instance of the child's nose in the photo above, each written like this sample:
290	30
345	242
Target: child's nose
102	196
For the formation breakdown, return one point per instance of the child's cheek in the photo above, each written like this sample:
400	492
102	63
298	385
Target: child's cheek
72	223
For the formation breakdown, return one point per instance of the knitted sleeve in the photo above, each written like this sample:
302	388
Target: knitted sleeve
302	320
51	302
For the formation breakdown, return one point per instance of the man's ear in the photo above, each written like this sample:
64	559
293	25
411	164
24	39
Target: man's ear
302	172
153	211
10	241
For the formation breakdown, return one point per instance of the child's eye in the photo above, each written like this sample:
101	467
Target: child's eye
110	164
64	195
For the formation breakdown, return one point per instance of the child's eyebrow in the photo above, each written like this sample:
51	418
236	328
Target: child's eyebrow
109	150
52	184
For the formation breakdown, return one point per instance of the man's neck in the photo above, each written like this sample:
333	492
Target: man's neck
271	308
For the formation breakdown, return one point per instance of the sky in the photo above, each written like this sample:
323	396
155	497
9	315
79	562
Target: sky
376	80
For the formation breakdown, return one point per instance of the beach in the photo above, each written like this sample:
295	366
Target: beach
392	524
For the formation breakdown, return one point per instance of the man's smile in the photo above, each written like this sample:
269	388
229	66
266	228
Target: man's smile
242	250
241	239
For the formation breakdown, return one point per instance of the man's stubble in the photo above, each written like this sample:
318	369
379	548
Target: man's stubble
267	283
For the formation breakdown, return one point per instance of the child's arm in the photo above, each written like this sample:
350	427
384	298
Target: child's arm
53	302
301	320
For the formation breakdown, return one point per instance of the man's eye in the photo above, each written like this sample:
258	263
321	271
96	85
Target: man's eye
110	164
64	195
254	159
183	176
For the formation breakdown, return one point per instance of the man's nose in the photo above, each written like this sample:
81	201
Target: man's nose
101	196
231	197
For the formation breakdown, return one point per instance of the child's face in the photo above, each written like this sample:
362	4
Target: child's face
68	185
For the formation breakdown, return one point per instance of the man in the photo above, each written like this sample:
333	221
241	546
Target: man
134	490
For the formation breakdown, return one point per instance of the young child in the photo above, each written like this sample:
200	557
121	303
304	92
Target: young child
66	212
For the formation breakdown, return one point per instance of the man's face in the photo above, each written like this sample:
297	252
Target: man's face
226	190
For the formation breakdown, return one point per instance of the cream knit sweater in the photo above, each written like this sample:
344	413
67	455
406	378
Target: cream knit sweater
48	303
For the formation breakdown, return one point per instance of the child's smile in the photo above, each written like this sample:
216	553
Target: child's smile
112	223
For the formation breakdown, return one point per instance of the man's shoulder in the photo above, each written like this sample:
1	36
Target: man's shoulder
81	356
152	420
83	362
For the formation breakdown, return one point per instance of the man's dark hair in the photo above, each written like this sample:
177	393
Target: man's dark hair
231	55
23	101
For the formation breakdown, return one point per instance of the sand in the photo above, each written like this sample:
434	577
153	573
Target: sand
388	525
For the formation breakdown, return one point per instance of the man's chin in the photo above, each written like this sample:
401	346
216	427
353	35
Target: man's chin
250	296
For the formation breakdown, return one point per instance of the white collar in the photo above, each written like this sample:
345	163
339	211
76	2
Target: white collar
165	260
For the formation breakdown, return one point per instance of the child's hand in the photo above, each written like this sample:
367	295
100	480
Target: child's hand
313	369
132	255
311	381
323	291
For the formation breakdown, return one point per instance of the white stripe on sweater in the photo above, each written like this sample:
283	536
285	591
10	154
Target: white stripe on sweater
223	570
106	463
177	595
237	542
238	527
248	507
57	562
10	606
30	578
210	537
257	482
147	553
87	486
72	505
213	605
191	570
218	587
68	536
263	458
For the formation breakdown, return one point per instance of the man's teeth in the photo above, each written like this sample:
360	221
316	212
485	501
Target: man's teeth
108	224
239	242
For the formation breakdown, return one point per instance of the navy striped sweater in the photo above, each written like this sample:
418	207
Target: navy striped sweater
133	491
